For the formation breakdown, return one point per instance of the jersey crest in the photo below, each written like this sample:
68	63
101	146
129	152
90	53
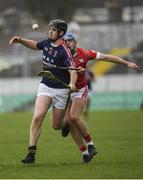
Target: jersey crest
81	60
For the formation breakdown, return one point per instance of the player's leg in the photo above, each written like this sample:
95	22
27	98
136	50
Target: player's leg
79	142
74	133
86	109
41	106
66	127
57	118
75	114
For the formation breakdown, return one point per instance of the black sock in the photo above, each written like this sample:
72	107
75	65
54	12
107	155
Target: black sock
32	149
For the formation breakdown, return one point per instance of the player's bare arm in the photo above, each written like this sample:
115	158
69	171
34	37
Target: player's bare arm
116	59
73	78
26	42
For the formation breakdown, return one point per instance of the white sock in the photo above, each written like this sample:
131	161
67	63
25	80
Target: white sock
85	152
90	143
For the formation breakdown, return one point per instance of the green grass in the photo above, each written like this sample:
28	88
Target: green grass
117	134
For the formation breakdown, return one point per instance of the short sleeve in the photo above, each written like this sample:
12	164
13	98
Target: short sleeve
91	54
40	45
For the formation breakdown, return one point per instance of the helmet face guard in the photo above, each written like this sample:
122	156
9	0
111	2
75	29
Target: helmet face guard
60	25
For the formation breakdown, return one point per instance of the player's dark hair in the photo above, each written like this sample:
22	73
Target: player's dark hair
59	24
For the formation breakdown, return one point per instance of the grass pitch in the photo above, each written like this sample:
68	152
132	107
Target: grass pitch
117	134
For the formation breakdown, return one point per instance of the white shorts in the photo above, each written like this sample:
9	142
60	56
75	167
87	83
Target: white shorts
82	93
59	96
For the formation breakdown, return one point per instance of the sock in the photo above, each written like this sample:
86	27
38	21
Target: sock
88	140
90	143
32	149
83	150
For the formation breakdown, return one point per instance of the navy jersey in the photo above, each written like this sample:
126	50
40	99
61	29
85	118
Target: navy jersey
56	56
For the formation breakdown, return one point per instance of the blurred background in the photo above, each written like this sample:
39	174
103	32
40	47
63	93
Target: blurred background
108	26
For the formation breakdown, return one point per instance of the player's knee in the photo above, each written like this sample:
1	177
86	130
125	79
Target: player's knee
73	119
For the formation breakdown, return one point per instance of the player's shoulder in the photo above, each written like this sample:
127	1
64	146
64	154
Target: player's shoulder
63	45
64	48
81	51
88	54
84	52
44	42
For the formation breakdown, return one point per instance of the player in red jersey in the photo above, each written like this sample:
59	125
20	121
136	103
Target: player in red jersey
76	106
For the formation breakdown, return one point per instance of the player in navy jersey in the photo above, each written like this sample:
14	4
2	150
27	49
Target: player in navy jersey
79	130
55	53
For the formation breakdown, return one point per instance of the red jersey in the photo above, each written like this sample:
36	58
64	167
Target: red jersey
80	59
